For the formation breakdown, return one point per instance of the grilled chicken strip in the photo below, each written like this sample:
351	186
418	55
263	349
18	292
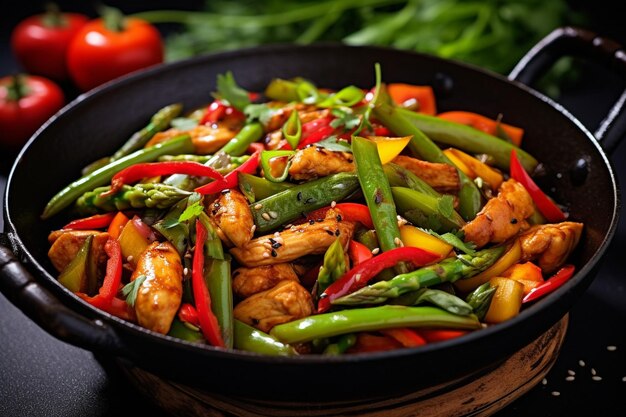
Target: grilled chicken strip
313	162
502	217
231	213
550	244
442	177
207	139
249	281
286	302
295	242
67	243
160	294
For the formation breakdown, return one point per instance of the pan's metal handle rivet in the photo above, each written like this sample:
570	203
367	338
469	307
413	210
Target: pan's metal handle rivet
443	85
578	173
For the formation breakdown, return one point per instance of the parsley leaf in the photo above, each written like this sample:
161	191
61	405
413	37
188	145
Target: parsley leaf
228	90
192	210
344	117
184	123
445	205
261	112
131	289
333	143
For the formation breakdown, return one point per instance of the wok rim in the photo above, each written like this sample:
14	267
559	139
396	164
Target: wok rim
579	279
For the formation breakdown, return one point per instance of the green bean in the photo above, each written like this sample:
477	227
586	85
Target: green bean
101	176
343	343
257	188
368	319
286	206
180	331
252	340
248	134
426	211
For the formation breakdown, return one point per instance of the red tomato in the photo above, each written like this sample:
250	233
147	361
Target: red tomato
26	102
98	54
40	42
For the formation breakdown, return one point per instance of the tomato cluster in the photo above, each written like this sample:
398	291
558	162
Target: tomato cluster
68	47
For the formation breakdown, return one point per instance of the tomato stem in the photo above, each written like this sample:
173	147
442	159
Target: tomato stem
114	19
17	89
53	18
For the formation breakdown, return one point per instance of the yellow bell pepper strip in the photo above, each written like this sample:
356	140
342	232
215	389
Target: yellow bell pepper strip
133	241
406	95
75	275
506	301
99	177
551	284
253	340
208	321
412	236
485	124
511	257
389	147
546	206
448	270
367	319
422	146
527	273
476	168
97	221
362	273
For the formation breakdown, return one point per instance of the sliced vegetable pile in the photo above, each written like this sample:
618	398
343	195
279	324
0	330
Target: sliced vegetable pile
311	221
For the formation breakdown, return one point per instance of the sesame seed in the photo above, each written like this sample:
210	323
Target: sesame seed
253	228
258	206
611	348
357	277
581	363
569	371
624	379
544	382
273	215
375	251
276	234
266	255
266	216
596	378
333	204
593	371
555	393
129	258
326	228
185	271
570	378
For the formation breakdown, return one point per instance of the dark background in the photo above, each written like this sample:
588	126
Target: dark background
41	376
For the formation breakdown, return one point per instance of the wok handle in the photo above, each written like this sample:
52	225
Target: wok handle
571	41
19	286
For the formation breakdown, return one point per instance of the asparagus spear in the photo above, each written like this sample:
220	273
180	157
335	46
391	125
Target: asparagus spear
333	268
480	299
448	270
159	196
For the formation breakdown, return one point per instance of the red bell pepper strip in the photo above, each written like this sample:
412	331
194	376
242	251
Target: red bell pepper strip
439	335
361	274
367	342
549	210
407	337
255	146
358	252
551	284
208	322
217	111
231	180
98	221
112	278
315	131
424	95
152	169
352	212
117	224
188	314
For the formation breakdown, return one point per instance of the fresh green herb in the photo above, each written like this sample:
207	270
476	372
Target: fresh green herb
261	112
183	123
333	143
230	92
344	117
445	205
193	209
131	289
455	241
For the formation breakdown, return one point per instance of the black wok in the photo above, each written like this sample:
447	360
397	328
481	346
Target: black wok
96	123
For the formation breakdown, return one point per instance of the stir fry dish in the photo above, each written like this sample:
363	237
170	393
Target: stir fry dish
304	220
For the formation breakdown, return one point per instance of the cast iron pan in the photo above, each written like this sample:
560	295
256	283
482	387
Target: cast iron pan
96	123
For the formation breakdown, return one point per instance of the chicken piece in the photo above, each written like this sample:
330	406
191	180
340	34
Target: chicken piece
160	294
551	244
67	243
295	242
249	281
231	214
207	139
502	217
286	302
442	177
313	162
